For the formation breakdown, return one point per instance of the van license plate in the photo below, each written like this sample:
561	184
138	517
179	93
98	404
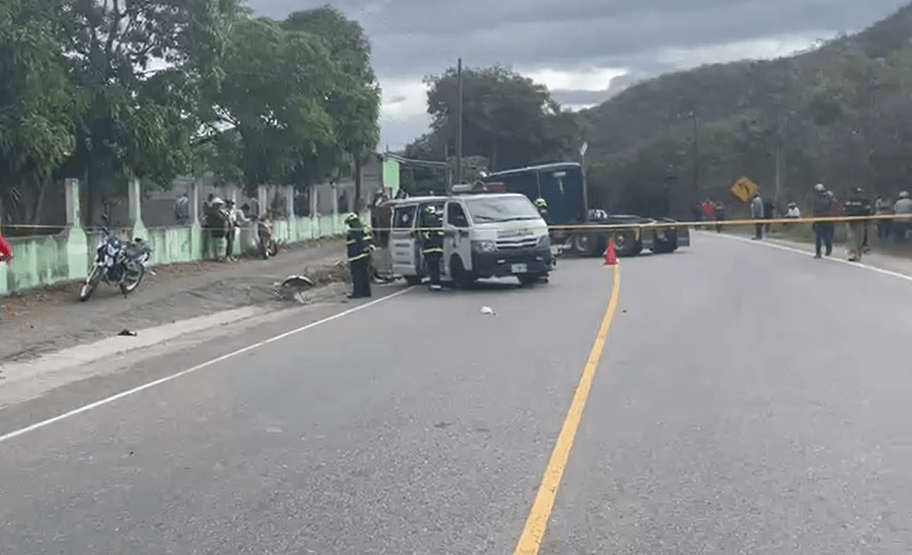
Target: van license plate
519	268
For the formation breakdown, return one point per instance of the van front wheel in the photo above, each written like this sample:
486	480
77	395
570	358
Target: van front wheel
462	279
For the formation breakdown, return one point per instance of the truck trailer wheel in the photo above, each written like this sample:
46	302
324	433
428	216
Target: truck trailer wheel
665	245
626	244
584	244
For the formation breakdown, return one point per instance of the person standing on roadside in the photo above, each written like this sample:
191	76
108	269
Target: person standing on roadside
182	209
883	207
756	207
769	210
6	255
358	257
542	206
857	205
903	207
235	219
719	211
697	213
217	226
432	246
823	231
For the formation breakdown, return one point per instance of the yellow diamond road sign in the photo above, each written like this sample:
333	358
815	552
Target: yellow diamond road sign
744	189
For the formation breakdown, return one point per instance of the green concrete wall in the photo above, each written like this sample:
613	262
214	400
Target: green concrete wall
46	260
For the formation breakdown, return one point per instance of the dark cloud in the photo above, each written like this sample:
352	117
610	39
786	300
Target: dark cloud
413	38
416	37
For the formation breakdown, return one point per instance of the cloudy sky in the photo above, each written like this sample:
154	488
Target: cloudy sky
581	49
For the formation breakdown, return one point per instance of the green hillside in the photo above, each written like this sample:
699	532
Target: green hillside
839	114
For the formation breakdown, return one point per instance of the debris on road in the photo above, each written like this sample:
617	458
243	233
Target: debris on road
488	310
127	333
295	287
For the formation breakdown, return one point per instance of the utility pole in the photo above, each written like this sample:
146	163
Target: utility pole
448	174
459	122
582	153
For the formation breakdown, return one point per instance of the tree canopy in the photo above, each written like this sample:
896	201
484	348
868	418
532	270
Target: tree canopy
508	121
110	90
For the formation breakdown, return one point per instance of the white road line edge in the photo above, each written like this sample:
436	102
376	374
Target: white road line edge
122	394
811	254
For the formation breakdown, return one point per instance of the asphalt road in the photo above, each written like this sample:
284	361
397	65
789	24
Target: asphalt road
749	400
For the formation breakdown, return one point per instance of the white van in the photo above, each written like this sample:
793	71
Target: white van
487	235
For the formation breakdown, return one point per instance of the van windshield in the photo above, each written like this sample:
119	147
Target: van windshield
501	209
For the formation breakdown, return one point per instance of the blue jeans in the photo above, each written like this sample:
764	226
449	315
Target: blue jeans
823	235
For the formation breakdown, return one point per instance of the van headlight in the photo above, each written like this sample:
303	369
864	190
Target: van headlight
484	246
544	241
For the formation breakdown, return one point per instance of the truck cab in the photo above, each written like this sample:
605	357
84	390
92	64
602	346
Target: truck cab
486	235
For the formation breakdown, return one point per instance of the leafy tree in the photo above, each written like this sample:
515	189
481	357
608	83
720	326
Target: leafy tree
354	101
273	97
145	68
508	119
37	102
301	98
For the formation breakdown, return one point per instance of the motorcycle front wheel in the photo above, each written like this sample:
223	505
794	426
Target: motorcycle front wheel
132	279
90	283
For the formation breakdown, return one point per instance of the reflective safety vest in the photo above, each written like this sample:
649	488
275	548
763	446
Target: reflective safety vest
432	241
357	243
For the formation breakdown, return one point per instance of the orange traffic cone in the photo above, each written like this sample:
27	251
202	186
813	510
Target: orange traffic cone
610	256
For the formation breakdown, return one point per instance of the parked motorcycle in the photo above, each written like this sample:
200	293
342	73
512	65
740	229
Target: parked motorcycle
266	243
117	262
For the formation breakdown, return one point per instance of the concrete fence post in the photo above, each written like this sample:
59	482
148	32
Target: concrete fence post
263	199
314	216
291	235
134	197
232	196
334	192
196	229
73	208
76	240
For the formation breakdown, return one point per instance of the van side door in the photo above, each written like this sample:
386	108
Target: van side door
402	242
457	241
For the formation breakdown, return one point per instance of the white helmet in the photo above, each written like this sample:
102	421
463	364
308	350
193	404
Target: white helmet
904	194
819	188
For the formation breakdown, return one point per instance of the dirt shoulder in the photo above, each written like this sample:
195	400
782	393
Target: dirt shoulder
52	318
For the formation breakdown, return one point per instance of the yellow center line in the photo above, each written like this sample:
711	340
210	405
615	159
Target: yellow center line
531	538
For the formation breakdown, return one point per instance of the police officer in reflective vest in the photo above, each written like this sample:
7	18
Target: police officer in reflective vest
542	206
357	241
432	246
